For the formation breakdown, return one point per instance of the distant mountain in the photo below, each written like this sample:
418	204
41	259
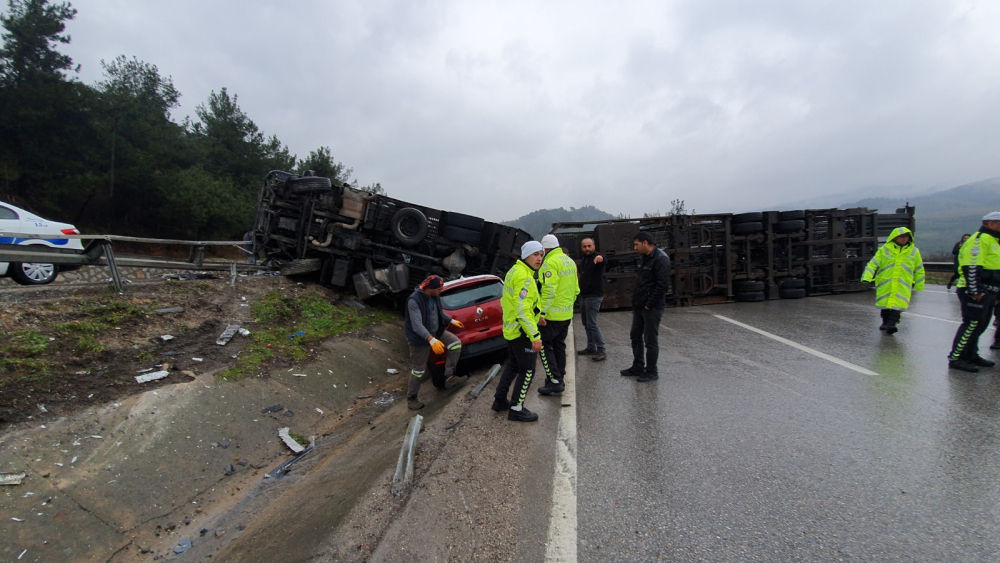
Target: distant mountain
538	223
943	217
869	192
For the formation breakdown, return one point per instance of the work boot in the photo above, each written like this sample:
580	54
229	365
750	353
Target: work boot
631	371
523	415
413	404
981	362
453	381
648	376
962	365
552	387
500	405
599	357
586	352
885	319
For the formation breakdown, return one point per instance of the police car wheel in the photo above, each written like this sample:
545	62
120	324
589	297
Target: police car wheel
32	273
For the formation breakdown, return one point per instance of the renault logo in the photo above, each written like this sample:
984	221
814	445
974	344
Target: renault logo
479	311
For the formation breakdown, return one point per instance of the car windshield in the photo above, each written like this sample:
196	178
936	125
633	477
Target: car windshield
470	295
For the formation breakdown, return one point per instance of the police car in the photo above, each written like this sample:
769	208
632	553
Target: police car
15	221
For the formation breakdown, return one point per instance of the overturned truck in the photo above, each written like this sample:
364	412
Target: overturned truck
742	257
373	243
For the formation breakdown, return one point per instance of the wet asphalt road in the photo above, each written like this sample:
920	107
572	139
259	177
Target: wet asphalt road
749	449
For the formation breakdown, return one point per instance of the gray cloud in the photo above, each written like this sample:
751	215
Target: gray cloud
498	109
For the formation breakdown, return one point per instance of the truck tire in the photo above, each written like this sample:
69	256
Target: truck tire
754	217
794	283
409	225
796	215
790	226
749	296
748	228
748	286
465	221
459	234
309	184
797	293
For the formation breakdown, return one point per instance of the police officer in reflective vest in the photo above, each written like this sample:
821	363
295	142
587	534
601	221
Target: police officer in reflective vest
559	287
520	329
896	269
978	284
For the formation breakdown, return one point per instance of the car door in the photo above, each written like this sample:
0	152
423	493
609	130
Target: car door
10	222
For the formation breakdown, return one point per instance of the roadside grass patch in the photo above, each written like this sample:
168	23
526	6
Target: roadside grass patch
19	356
289	326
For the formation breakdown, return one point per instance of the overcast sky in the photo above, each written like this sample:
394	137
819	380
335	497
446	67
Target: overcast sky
499	109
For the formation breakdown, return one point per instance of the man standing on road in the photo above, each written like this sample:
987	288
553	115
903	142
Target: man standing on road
648	301
592	268
520	330
559	287
425	330
896	269
978	284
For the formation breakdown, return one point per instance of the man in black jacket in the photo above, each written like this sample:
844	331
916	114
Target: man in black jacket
648	301
591	270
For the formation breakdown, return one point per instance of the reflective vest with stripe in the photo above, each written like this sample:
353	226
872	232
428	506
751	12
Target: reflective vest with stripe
559	284
520	303
896	271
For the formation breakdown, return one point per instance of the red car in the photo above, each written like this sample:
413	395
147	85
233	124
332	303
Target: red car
475	302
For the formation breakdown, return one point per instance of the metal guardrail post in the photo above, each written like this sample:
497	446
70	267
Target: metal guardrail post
109	255
404	466
479	388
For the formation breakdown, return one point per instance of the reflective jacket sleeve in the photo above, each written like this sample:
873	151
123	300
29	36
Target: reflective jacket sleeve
918	272
871	268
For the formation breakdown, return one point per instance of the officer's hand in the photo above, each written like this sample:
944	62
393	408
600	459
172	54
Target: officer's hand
536	346
542	322
598	259
457	323
437	346
977	297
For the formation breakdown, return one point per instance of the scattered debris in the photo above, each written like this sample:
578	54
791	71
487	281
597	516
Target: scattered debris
167	337
299	374
16	519
359	397
299	333
22	554
280	471
244	332
386	340
230	470
219	533
170	353
42	408
319	410
289	441
404	465
144	370
273	408
227	335
197	359
12	478
170	310
387	400
189	373
151	376
392	371
224	443
353	303
182	546
289	414
479	388
189	276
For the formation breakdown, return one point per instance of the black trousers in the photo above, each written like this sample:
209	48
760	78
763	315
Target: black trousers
519	370
976	317
554	348
645	336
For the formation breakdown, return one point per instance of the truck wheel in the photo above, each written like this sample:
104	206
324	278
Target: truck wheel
464	221
409	225
748	228
309	184
754	217
790	226
798	293
793	283
796	215
748	286
750	296
30	273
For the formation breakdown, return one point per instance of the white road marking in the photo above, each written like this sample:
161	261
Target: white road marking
561	545
798	346
911	314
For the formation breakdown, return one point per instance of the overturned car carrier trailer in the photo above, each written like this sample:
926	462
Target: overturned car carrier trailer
742	257
375	243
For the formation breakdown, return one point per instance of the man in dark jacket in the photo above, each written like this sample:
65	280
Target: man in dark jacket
592	267
426	322
648	301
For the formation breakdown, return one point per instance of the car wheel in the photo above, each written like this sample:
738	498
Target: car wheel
31	273
748	228
409	225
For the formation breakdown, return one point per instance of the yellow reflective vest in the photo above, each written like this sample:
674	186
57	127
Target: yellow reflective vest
559	286
979	262
520	303
896	271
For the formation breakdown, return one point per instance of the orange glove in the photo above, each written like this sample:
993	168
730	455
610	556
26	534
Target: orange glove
437	345
457	323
